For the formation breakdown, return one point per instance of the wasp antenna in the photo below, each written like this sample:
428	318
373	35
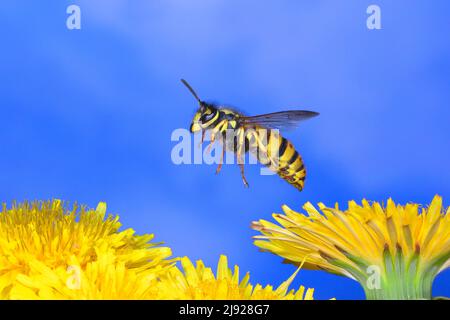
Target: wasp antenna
191	90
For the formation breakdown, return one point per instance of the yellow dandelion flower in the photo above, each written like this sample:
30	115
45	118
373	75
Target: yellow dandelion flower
199	283
48	252
394	252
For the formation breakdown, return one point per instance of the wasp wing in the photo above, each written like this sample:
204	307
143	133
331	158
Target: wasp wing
278	120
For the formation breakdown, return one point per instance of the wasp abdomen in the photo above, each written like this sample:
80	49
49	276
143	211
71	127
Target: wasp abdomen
282	157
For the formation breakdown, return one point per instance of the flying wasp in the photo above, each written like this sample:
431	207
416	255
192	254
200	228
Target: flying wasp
258	134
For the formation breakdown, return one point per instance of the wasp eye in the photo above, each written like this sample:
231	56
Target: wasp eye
207	117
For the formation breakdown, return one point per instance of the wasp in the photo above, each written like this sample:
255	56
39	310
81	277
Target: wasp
258	134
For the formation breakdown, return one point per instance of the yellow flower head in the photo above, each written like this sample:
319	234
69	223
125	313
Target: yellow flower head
52	253
393	251
199	282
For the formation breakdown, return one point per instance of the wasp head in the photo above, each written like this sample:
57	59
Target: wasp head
205	116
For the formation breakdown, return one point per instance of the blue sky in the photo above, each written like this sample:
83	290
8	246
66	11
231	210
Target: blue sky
87	114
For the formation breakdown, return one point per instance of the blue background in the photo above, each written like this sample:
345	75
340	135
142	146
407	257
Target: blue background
87	115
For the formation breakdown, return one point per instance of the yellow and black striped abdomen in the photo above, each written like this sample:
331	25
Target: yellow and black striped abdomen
280	155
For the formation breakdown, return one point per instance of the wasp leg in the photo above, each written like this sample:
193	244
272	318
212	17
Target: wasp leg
241	166
203	135
241	143
219	167
214	132
203	138
213	138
